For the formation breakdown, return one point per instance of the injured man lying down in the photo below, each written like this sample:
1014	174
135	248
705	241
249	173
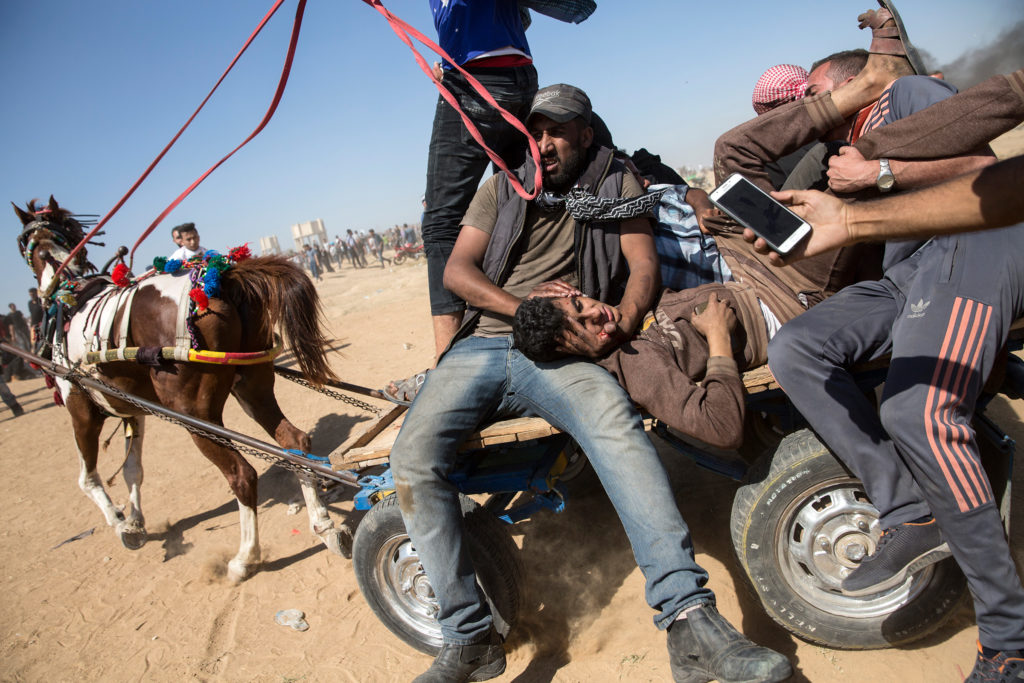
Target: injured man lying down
692	335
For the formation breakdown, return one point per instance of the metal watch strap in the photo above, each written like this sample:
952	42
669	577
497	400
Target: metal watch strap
885	180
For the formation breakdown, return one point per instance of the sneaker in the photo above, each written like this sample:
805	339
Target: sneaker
903	549
456	663
1004	667
705	647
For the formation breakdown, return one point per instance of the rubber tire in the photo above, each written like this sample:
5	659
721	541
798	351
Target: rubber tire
577	463
399	259
784	482
494	555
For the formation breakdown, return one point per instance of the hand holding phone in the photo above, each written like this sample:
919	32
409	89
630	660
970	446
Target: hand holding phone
752	207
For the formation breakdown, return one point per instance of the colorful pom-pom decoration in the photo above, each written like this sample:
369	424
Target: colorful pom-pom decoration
211	282
199	296
120	275
158	263
173	265
240	253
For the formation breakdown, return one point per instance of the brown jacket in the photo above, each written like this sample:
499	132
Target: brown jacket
660	368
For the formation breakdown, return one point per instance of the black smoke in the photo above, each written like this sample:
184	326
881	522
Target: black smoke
1004	55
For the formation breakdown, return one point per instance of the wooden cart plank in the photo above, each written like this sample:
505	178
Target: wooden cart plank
506	431
759	379
376	427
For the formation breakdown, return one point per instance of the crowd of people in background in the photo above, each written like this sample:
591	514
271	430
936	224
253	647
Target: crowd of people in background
21	332
359	249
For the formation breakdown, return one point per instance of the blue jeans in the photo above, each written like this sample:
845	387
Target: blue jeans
456	162
481	379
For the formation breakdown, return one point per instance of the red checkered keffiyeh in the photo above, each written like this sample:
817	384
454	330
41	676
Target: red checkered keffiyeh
778	85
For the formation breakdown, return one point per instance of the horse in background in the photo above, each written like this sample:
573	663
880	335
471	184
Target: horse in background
257	296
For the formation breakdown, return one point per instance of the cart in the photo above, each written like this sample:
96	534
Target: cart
800	520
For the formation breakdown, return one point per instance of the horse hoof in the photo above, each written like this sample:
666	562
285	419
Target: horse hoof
238	572
339	541
133	539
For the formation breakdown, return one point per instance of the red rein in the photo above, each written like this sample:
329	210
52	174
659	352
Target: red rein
403	30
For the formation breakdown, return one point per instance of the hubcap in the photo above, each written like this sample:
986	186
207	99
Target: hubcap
823	536
404	585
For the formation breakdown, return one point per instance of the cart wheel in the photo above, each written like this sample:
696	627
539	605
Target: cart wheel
802	525
575	464
399	258
395	585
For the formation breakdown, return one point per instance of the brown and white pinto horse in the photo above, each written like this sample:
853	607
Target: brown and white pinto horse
257	295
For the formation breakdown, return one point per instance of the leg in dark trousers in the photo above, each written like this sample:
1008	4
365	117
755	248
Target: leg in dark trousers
949	308
960	307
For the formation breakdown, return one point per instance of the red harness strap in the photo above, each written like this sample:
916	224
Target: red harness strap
285	70
403	30
145	174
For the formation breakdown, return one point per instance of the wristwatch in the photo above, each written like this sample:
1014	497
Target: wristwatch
885	179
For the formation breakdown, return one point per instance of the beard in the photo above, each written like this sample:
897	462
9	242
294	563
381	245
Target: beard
569	169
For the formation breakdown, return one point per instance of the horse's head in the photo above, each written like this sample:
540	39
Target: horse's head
48	235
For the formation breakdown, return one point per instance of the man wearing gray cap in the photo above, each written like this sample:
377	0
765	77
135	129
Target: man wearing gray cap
587	233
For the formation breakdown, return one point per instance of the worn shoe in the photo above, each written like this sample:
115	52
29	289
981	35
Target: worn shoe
705	647
903	549
890	38
1003	668
455	663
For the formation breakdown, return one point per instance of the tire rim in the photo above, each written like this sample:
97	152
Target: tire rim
405	588
821	538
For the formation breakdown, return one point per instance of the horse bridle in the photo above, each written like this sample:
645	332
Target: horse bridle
39	229
27	242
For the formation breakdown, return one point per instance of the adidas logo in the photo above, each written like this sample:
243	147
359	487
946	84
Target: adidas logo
917	310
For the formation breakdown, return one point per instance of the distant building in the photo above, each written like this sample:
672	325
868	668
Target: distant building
269	245
309	233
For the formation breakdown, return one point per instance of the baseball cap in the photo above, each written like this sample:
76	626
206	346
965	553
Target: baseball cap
561	103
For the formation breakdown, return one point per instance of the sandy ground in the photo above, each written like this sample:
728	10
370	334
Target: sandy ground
90	610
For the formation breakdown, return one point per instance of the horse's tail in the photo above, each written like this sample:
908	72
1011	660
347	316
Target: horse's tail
270	292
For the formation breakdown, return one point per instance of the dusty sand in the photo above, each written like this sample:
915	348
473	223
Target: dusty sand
90	610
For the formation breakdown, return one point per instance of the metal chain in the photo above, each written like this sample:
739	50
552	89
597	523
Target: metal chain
216	438
362	405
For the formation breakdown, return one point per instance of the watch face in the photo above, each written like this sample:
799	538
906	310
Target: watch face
885	179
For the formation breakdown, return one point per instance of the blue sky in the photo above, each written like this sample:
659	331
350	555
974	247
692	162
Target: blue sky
93	91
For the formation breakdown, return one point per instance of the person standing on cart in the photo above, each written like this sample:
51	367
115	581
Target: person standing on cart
510	249
488	39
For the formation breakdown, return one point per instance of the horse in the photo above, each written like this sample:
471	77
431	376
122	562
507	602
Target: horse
257	295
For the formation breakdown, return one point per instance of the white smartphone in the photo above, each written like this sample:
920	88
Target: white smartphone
754	208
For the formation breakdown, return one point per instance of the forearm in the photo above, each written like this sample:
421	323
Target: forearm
720	343
712	411
644	280
914	174
988	198
747	148
956	125
464	276
471	285
641	291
